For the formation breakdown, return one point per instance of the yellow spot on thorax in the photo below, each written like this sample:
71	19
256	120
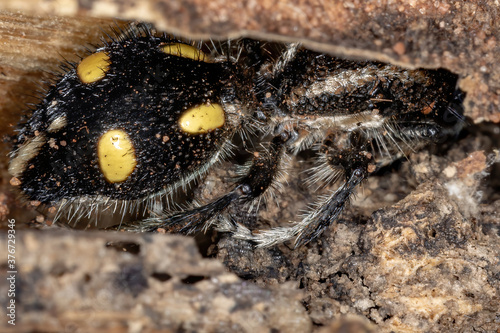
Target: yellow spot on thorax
116	155
202	118
93	68
185	51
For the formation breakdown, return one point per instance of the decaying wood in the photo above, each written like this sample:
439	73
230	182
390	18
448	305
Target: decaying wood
425	260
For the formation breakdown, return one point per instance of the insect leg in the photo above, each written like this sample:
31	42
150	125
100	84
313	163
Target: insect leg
329	210
356	165
258	179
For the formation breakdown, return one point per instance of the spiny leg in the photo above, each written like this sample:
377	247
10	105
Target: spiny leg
313	224
356	164
329	211
265	166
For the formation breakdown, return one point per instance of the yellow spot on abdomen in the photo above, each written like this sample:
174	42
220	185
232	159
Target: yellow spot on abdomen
93	68
185	51
202	118
116	155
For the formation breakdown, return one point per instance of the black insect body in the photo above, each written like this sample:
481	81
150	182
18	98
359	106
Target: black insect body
146	115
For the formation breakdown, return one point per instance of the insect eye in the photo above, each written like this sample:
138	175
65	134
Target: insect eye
202	119
116	156
184	51
93	68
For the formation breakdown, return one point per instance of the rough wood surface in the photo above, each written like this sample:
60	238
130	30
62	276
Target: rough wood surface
119	283
417	251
